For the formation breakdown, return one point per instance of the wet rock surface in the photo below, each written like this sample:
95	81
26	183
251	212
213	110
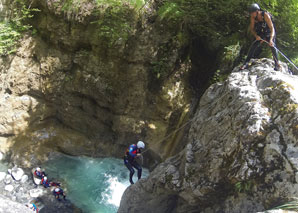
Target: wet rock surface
247	163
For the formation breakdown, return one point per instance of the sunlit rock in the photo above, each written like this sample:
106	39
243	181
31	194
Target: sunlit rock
34	193
9	188
242	150
17	173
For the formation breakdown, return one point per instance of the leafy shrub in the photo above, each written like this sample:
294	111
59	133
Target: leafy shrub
218	21
11	31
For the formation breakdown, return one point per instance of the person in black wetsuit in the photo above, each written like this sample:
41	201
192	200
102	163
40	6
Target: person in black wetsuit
130	159
57	192
261	26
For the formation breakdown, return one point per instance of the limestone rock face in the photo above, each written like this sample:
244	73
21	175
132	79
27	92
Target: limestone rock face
68	90
241	154
9	206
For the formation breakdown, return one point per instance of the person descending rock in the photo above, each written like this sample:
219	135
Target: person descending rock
261	26
131	154
59	192
38	173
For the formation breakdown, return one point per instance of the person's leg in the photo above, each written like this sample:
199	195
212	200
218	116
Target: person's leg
274	53
251	53
139	168
131	170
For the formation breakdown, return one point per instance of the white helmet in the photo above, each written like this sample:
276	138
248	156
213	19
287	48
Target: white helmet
38	169
45	178
141	145
57	190
30	205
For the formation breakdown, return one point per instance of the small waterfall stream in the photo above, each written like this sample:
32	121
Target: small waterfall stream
93	184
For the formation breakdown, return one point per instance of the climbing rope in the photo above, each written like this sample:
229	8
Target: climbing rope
289	60
184	125
176	130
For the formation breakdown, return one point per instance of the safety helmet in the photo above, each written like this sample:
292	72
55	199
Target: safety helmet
30	205
253	8
45	178
141	145
57	190
38	169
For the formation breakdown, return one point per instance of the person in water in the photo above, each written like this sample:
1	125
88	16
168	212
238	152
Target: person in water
38	173
59	192
262	28
45	182
130	162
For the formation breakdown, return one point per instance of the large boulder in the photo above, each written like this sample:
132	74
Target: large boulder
9	206
17	173
241	155
9	188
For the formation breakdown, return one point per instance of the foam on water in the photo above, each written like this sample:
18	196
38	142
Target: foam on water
94	185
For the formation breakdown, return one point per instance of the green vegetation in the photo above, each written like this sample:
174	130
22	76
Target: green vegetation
218	77
243	186
289	108
225	23
116	17
11	31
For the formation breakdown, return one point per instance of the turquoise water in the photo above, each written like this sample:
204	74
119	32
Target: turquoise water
93	184
3	166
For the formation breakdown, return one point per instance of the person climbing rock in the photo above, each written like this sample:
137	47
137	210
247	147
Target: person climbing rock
38	173
262	28
130	162
59	192
33	207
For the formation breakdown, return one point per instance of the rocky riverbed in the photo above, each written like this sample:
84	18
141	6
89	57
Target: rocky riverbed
17	190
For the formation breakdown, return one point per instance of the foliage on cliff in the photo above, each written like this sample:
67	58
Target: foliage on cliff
224	23
116	18
11	30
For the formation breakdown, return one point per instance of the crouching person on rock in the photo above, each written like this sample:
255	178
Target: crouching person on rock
45	182
59	192
38	174
131	154
33	207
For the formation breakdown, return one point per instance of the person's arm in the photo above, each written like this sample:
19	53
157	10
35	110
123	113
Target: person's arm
252	28
270	25
139	152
